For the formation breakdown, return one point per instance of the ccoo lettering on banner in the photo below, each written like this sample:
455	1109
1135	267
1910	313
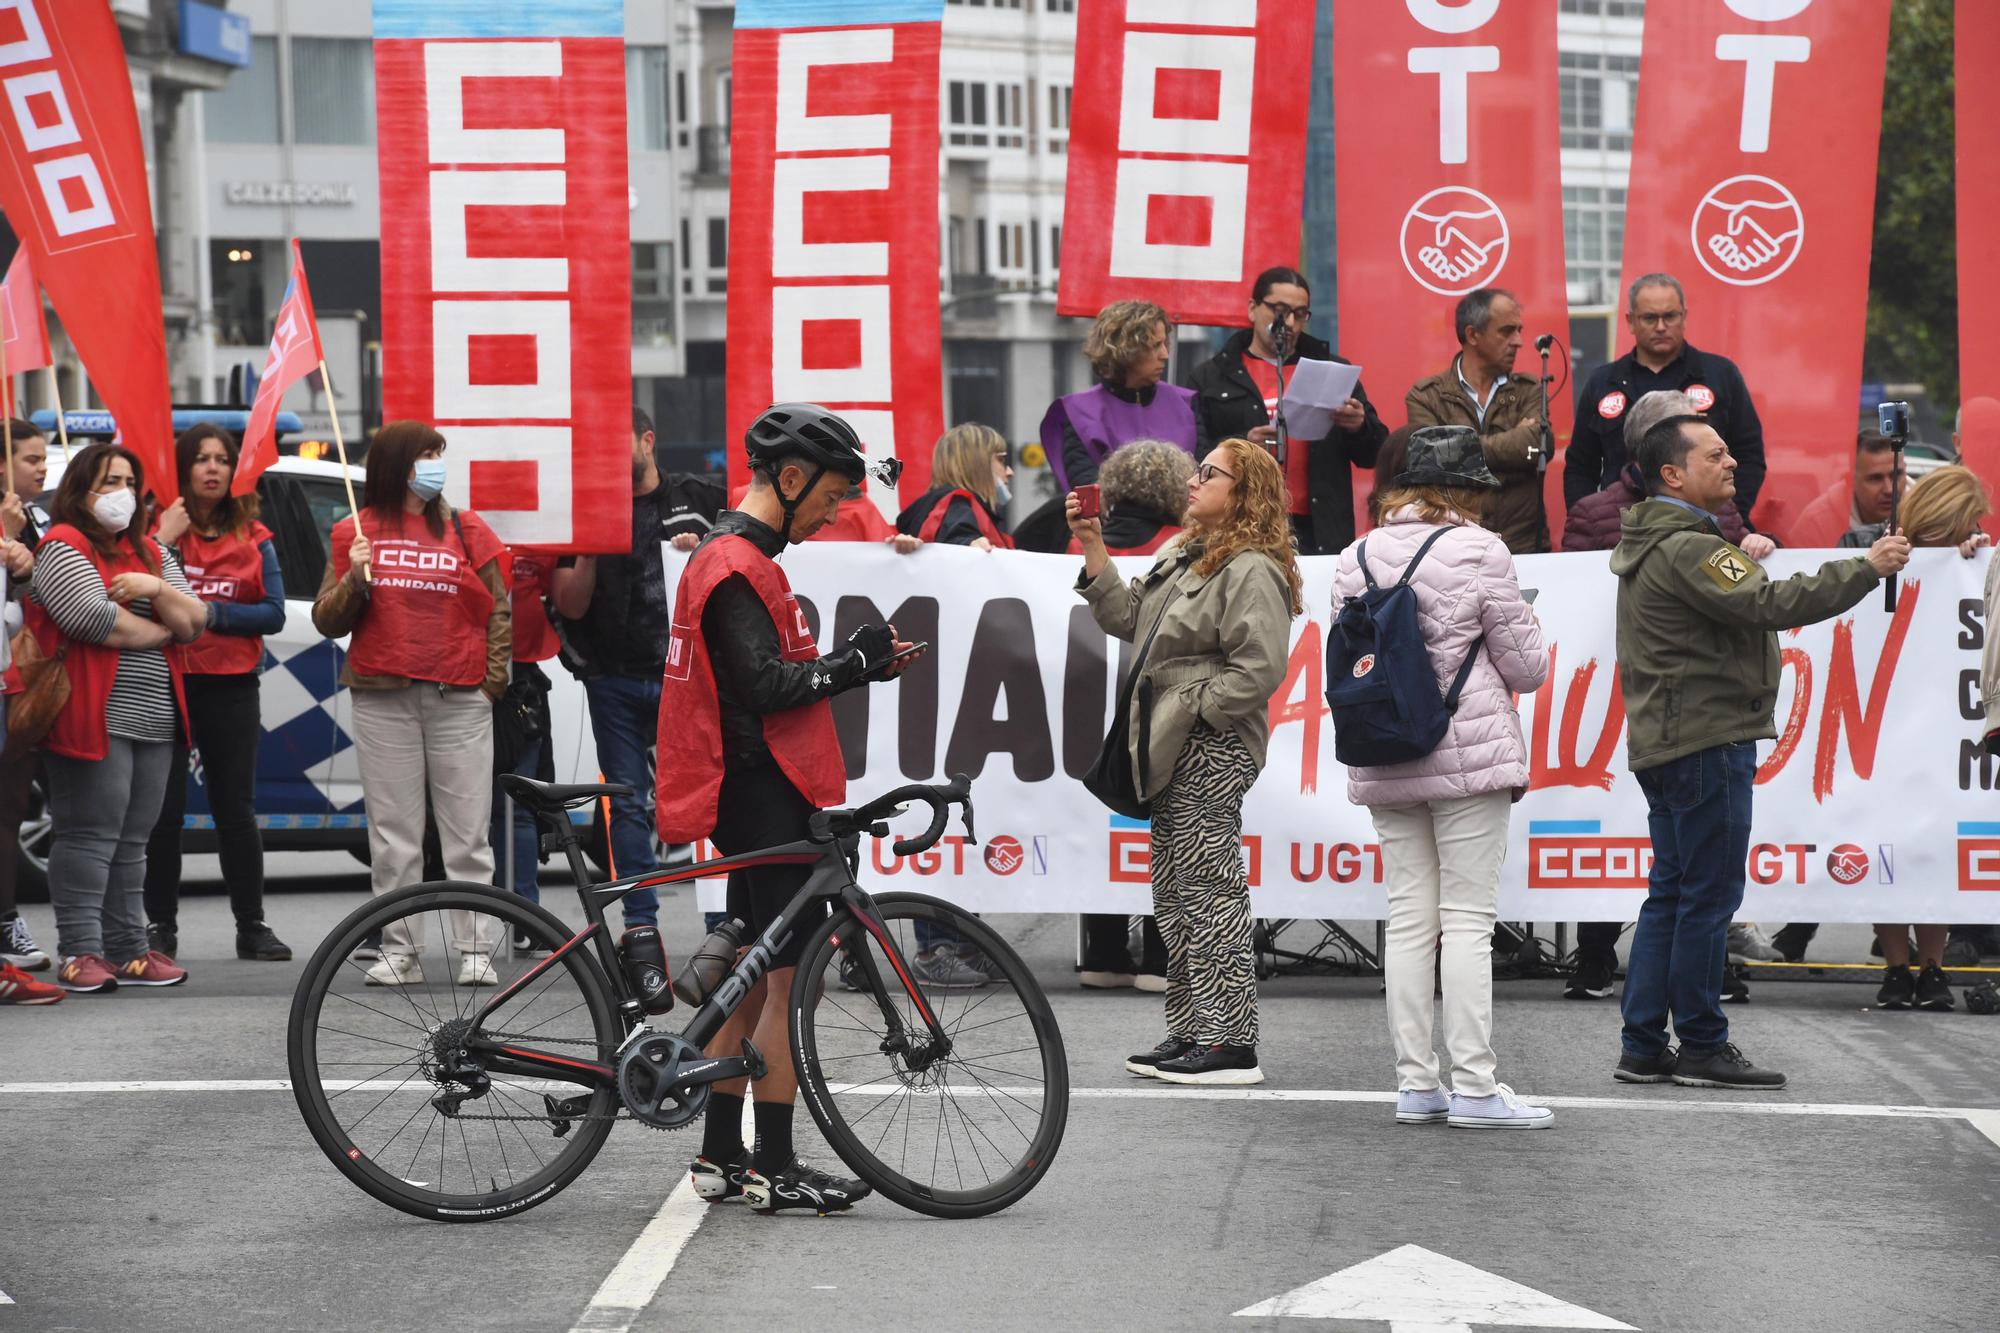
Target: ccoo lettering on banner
833	256
506	297
1734	192
1451	111
1186	174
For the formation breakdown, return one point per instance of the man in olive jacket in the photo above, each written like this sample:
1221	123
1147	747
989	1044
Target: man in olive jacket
1698	658
1480	389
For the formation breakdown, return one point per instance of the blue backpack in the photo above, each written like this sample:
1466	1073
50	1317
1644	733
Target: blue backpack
1380	682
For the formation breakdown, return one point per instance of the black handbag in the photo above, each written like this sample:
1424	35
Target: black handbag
1112	779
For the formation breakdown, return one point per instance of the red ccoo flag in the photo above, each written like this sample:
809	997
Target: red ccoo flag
27	332
295	353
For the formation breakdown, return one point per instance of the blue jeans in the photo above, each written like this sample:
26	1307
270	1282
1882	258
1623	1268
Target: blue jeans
1698	810
625	718
526	835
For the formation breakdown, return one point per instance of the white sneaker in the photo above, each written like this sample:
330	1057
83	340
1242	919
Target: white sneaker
476	969
396	969
1503	1110
1748	943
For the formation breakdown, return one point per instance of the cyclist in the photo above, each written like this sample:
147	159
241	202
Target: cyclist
747	752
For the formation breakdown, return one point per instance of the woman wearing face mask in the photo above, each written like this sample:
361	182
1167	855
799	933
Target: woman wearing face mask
232	566
969	492
111	599
419	587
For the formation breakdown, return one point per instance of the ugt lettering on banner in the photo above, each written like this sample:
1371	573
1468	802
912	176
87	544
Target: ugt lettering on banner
1182	180
833	258
506	303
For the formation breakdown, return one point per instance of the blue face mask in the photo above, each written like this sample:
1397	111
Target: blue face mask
427	479
1003	495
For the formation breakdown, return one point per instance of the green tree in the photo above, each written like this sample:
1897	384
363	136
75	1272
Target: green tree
1913	275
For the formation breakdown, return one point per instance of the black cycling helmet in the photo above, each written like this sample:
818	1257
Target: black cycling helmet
807	433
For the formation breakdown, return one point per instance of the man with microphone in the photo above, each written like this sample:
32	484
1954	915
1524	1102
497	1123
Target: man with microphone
1237	395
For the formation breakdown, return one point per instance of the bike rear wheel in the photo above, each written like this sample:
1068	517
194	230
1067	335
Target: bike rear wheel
370	1063
964	1136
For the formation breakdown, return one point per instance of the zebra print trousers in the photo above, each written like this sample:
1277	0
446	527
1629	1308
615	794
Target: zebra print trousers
1201	895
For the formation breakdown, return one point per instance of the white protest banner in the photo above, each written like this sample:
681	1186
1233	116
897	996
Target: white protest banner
1875	802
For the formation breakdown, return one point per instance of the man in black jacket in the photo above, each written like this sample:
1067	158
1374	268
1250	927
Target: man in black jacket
1656	312
1237	388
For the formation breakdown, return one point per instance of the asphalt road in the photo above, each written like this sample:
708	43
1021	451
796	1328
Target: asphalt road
1866	1193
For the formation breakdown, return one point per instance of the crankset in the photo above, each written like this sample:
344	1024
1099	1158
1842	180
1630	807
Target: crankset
665	1081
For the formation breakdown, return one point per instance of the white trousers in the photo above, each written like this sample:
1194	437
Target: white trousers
422	747
1441	862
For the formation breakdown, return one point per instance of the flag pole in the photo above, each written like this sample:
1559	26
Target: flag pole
8	380
62	420
340	447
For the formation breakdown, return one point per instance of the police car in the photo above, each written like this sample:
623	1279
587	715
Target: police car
308	775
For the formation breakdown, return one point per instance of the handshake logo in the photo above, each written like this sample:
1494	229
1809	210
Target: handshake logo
1748	230
1454	240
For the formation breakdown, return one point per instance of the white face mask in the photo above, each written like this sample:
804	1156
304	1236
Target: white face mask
115	509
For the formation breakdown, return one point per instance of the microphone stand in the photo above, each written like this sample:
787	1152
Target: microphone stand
1280	339
1547	447
1896	442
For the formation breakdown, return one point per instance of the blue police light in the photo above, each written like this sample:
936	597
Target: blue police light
101	426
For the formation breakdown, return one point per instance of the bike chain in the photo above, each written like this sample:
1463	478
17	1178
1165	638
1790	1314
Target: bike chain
547	1119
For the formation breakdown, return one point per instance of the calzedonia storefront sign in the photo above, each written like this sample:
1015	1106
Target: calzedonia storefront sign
307	193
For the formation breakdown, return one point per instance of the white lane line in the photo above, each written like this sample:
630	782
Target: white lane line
1986	1122
630	1288
5	1299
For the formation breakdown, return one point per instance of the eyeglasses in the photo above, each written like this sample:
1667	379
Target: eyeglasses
1207	472
1301	315
1661	320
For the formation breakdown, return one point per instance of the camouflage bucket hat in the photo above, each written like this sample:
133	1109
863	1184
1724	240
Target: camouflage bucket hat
1447	456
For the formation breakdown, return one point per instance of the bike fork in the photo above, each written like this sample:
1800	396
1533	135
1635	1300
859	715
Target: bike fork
883	989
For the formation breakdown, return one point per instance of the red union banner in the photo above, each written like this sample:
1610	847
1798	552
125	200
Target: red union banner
1183	185
506	289
1753	182
1447	142
1978	98
73	184
833	237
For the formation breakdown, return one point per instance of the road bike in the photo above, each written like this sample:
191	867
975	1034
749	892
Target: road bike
464	1103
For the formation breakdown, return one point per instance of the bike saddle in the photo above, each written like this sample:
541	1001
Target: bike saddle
557	795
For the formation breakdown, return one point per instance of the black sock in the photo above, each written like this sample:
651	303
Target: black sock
774	1136
722	1132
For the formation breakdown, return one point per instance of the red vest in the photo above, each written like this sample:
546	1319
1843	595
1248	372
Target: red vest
802	740
987	527
534	637
79	731
225	569
427	607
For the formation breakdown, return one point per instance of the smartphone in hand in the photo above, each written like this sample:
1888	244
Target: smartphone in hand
1089	501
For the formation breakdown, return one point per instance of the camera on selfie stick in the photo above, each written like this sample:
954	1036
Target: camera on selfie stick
1894	422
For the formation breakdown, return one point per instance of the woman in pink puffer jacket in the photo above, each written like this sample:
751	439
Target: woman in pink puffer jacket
1442	819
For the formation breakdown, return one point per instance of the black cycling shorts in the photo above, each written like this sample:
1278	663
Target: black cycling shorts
759	808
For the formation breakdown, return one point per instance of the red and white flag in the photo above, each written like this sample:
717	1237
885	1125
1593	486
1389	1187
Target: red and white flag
73	186
295	353
27	331
1186	174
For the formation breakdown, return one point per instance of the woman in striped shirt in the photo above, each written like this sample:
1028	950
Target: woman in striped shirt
110	599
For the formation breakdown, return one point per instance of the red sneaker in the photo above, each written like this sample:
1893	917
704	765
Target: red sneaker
17	987
151	968
87	973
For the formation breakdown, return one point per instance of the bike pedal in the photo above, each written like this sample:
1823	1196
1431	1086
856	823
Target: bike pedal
753	1061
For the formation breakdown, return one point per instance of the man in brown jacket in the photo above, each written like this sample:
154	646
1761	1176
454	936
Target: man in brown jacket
1480	390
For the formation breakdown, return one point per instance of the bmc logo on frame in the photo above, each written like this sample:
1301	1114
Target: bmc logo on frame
1575	854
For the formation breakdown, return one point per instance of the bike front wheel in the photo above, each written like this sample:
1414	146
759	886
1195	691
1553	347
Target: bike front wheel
961	1134
379	1070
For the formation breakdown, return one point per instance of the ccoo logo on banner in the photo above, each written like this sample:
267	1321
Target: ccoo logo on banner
506	290
1018	690
833	255
1186	175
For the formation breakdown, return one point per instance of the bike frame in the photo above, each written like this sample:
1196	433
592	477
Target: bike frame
832	880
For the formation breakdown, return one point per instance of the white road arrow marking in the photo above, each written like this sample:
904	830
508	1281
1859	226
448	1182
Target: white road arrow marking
1418	1291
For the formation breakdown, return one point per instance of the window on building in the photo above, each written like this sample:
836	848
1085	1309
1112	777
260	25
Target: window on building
1059	104
646	97
1594	93
652	270
245	109
1008	115
1594	241
966	104
333	90
1059	6
980	263
718	255
1055	248
237	269
681	107
687	248
1614	9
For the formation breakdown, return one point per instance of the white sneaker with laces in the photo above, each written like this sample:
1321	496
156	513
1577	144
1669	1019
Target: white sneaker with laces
1748	943
1503	1110
476	969
17	946
396	969
1422	1106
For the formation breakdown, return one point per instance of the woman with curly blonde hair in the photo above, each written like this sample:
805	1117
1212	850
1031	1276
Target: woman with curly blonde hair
1127	351
1213	616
